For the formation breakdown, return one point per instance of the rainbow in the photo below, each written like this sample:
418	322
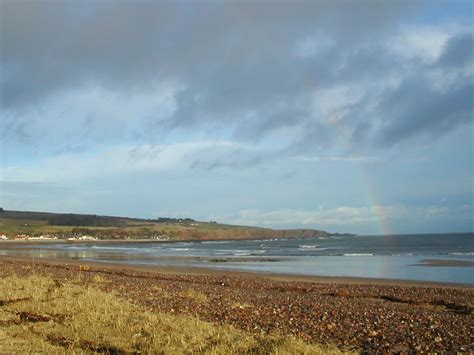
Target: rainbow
376	208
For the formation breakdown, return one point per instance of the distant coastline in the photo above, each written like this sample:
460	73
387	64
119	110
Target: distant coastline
47	226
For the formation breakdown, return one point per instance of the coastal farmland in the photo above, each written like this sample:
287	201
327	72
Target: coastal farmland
19	224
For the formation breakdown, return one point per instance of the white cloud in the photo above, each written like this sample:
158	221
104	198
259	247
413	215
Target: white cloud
355	159
314	45
422	42
352	217
433	211
344	215
92	115
118	160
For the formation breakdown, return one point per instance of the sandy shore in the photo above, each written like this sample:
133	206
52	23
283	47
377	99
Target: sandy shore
354	314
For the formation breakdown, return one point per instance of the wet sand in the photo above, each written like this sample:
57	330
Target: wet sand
113	259
194	270
354	314
445	263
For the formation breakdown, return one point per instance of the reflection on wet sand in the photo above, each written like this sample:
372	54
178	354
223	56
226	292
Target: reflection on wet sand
445	263
99	255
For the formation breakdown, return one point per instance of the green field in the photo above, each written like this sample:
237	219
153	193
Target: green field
14	223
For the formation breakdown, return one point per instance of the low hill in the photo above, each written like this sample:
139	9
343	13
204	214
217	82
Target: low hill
62	226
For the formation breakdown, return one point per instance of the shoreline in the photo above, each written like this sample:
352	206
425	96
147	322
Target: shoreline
164	241
202	271
210	264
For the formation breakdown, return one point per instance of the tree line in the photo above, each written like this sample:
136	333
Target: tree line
84	220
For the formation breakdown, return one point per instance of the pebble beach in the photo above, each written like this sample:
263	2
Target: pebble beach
370	316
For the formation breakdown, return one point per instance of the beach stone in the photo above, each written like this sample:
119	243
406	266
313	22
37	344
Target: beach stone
372	333
361	318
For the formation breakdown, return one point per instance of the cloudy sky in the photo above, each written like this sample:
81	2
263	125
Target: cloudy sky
338	115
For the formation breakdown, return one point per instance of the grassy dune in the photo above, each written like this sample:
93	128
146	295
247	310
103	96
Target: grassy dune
43	315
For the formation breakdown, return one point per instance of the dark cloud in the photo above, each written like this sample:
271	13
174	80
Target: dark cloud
235	65
418	108
420	105
458	51
47	45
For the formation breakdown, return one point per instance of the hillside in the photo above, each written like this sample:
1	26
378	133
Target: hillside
62	226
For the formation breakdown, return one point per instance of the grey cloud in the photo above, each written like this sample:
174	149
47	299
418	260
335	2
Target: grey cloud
422	110
458	51
48	46
418	107
233	61
231	162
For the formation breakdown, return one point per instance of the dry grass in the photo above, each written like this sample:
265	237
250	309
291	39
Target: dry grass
198	296
160	292
42	315
99	279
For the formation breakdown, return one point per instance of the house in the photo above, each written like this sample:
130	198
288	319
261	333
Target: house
43	237
21	236
87	237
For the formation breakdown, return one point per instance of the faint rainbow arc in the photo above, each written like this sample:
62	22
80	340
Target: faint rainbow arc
377	209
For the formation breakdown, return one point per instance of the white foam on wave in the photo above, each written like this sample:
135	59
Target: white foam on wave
462	254
315	246
257	240
231	251
358	254
101	247
258	252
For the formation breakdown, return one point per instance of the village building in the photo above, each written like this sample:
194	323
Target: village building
87	237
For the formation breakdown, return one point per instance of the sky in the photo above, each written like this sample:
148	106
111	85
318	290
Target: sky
337	115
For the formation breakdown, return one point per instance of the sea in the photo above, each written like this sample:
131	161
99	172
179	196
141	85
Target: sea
422	257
